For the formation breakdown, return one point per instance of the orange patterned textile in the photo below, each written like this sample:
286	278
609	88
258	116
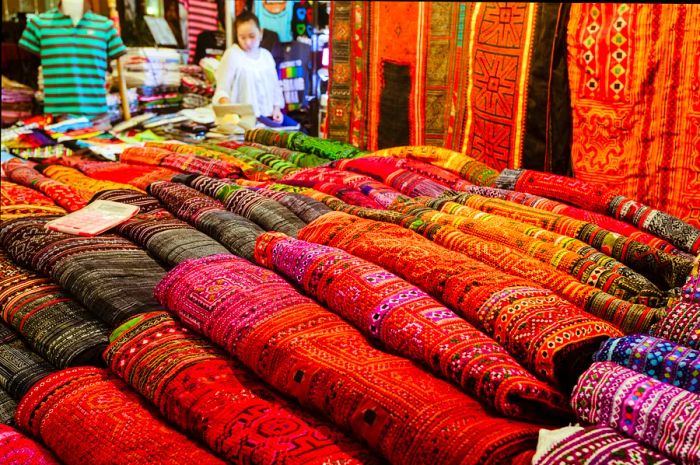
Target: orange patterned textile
635	72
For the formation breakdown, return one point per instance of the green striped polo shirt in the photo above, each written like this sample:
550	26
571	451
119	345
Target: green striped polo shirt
74	59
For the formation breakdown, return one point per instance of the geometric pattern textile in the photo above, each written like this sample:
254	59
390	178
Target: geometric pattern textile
663	360
17	449
20	367
549	336
410	323
600	445
109	275
88	415
656	414
305	208
599	198
7	408
662	268
634	76
54	325
202	390
681	325
307	352
476	72
17	200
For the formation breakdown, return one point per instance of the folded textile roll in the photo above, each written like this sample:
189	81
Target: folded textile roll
681	324
599	445
66	196
548	335
660	359
466	167
549	210
17	201
662	268
632	287
87	415
8	406
165	237
301	159
603	200
56	326
307	209
267	213
298	141
658	415
691	290
20	367
109	275
410	323
236	233
305	351
75	178
17	449
203	391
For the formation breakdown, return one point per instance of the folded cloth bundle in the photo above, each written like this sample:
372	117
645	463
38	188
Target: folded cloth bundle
660	359
681	324
165	237
548	335
109	275
17	449
87	415
408	322
202	390
307	352
17	201
20	367
656	414
56	326
236	233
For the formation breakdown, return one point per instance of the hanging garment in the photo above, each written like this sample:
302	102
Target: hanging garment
201	16
276	16
207	394
74	60
314	356
88	415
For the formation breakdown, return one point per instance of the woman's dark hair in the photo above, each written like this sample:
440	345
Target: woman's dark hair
244	17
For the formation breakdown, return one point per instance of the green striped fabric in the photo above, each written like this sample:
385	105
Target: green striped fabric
74	60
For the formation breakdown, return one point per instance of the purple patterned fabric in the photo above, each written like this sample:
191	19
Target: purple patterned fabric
658	415
664	360
681	324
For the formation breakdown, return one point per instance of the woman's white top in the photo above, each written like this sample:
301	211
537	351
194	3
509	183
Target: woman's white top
244	79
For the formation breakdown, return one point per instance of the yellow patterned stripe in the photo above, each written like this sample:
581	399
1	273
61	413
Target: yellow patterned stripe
522	94
470	85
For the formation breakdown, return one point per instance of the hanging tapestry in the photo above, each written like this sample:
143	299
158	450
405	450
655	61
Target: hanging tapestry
88	415
202	390
634	73
16	448
408	322
307	352
655	414
481	79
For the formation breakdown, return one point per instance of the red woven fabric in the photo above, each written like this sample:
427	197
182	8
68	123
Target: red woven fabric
17	200
408	322
203	391
68	197
307	352
17	449
548	335
88	416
